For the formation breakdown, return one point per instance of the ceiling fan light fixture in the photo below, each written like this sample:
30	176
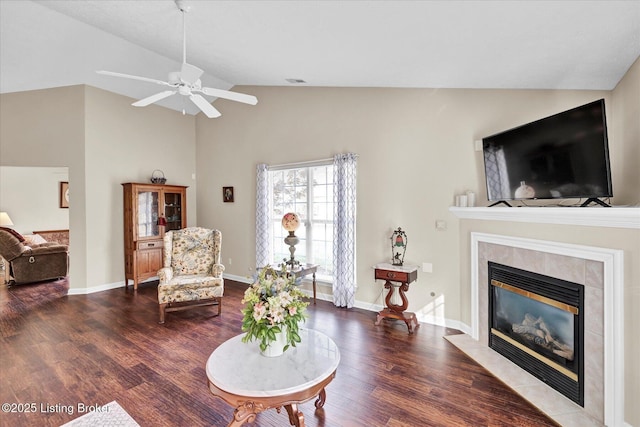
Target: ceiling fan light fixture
186	82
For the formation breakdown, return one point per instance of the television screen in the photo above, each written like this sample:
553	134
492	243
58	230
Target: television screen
562	156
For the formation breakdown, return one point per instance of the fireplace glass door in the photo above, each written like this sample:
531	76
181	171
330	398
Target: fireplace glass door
536	322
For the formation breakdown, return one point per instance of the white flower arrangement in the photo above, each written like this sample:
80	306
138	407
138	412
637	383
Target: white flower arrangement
273	301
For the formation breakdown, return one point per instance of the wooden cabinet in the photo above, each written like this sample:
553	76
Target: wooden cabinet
149	211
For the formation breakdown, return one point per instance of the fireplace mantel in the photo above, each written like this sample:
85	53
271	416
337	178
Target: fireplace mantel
616	217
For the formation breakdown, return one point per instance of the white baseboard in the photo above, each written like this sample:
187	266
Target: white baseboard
241	279
105	287
94	289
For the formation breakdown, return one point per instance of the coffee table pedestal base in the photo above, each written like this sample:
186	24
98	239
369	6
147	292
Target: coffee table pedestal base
248	407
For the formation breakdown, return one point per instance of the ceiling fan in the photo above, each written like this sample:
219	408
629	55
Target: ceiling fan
186	82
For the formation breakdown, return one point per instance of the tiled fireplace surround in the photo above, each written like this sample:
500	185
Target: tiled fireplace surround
600	271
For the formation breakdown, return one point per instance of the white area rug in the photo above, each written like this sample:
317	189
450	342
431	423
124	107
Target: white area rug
109	415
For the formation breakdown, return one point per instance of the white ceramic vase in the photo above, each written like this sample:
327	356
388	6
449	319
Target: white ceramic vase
276	348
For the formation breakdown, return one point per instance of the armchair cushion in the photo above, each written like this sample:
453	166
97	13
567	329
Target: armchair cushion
192	252
190	288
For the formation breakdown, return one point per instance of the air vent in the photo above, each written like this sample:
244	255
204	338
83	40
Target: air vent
296	81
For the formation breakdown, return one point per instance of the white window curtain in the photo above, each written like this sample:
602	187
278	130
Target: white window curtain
344	234
263	217
497	175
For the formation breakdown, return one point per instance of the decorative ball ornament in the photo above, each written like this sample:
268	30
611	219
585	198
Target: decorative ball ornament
291	221
525	191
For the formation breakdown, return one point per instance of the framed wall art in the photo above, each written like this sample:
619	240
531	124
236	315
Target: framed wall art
64	195
227	194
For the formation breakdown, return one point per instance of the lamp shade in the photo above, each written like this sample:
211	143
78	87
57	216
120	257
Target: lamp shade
291	221
5	220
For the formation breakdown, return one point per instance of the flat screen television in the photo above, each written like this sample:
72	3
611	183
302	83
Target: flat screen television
558	157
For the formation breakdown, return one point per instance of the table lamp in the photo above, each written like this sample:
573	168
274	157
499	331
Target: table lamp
399	244
5	221
291	222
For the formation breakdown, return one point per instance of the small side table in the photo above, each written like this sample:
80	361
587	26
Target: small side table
402	276
304	270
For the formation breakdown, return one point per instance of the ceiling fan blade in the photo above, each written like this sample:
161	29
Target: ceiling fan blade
233	96
204	105
190	74
129	76
154	98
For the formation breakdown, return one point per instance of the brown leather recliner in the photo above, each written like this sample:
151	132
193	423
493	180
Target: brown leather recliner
36	263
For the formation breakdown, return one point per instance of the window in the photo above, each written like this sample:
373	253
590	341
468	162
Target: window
307	191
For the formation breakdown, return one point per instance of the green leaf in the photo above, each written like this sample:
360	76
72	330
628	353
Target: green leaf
271	334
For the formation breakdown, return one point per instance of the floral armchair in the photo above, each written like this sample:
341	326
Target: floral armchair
192	273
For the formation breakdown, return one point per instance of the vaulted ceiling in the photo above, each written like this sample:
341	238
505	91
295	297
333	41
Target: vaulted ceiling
413	44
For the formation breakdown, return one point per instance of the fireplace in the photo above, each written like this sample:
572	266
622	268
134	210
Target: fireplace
601	271
537	322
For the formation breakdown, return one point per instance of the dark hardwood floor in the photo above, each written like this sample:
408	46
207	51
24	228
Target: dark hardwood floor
93	349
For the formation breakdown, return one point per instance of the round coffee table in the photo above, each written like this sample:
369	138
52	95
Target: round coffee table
253	383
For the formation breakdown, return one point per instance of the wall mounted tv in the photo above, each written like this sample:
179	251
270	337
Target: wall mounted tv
559	157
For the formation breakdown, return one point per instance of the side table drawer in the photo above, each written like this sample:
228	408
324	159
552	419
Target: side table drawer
150	244
396	276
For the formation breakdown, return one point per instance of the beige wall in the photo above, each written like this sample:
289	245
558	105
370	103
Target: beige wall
41	209
46	128
416	150
626	128
104	141
126	144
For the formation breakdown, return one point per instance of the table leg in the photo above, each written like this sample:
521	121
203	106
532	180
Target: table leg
245	413
321	399
314	287
296	418
415	321
409	323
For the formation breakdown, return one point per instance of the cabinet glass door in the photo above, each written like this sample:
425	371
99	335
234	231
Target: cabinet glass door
148	214
173	211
